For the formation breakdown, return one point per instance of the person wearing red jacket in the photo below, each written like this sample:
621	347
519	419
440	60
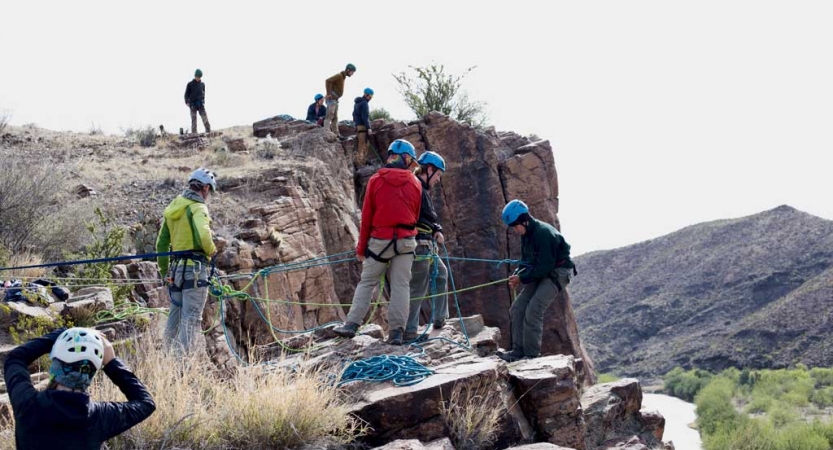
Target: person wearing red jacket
387	239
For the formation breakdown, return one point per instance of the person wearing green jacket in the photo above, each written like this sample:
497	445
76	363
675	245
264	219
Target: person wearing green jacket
545	271
186	227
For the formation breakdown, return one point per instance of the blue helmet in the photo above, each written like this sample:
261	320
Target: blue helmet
513	211
318	97
368	91
401	146
432	158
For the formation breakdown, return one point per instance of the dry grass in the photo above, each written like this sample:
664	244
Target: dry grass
25	259
198	408
472	416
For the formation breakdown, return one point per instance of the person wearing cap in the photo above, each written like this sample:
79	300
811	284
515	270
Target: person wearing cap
195	99
186	227
387	240
361	118
64	416
334	89
317	111
427	264
545	271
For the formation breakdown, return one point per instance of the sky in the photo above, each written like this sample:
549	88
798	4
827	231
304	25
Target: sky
661	114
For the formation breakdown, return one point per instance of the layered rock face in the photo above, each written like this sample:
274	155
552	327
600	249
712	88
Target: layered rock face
310	208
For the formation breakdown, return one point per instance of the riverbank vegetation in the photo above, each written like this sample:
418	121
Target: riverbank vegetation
787	409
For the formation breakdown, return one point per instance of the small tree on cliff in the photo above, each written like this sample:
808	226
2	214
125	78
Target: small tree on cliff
432	89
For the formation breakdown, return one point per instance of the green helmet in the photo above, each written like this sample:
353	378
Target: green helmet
350	67
198	73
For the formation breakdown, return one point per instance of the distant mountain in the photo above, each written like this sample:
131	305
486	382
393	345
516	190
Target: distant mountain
750	292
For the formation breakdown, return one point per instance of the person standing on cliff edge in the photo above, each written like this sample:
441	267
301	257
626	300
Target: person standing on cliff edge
195	99
334	89
387	240
545	271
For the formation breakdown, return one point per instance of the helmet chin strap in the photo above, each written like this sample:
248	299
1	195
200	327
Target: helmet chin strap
431	175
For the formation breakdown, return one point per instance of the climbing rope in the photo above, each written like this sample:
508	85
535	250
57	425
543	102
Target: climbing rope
401	370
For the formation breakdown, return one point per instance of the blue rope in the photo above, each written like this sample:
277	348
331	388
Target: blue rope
100	260
499	262
402	370
274	328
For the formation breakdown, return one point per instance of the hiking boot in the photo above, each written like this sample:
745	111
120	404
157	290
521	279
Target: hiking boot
347	330
414	336
439	323
395	336
510	356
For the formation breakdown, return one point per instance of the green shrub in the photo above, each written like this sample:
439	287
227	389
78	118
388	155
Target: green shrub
759	405
686	384
714	407
380	113
823	398
607	378
800	437
822	376
781	415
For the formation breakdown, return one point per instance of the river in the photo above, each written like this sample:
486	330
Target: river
678	414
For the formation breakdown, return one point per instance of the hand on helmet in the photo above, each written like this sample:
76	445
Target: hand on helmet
109	352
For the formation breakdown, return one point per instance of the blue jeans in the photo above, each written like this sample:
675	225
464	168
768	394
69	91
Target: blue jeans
187	303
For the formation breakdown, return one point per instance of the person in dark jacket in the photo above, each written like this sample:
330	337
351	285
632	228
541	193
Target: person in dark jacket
317	111
427	262
63	416
545	271
334	89
195	99
387	240
361	118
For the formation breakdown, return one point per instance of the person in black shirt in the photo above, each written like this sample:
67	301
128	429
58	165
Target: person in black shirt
428	272
195	99
317	111
63	416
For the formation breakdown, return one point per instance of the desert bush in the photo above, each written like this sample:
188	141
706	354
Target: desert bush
145	137
430	88
472	416
267	148
714	407
606	378
5	118
225	158
95	130
29	203
380	113
685	384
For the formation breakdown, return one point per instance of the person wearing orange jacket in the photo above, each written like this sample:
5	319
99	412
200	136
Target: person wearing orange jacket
387	240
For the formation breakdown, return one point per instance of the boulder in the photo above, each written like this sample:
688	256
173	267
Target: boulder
539	446
612	415
88	301
549	396
236	145
414	444
12	312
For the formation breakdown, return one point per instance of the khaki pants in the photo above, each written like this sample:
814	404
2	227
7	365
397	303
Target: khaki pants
527	313
399	275
331	120
187	303
203	115
421	273
361	145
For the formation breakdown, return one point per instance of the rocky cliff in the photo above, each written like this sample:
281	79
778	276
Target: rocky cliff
750	292
315	211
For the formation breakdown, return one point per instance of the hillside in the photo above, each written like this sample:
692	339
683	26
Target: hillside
747	292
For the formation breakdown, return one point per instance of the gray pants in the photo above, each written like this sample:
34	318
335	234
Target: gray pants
399	275
185	315
527	313
331	120
203	115
421	285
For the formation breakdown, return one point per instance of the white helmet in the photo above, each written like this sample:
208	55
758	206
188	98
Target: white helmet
204	176
78	344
